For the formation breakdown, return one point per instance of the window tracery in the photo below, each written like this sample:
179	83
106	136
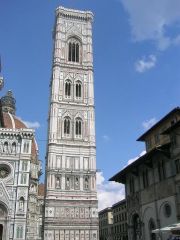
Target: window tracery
67	126
73	50
78	127
78	90
68	89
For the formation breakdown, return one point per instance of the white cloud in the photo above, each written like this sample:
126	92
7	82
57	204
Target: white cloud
146	63
108	192
149	123
153	20
31	124
106	138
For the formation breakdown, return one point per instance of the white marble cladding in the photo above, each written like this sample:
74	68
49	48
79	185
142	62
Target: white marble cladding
71	198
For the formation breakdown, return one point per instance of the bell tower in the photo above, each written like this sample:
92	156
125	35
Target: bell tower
71	199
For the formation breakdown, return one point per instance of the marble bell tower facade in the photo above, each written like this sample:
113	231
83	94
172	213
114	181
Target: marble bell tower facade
71	198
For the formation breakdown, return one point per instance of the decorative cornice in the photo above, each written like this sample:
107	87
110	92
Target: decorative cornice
27	133
74	14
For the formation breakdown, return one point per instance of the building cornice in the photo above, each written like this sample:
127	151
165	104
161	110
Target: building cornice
74	14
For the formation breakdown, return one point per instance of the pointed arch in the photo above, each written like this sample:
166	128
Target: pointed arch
67	126
21	204
74	48
78	127
68	88
78	89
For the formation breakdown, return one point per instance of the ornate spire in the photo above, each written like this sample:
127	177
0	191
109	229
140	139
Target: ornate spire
8	103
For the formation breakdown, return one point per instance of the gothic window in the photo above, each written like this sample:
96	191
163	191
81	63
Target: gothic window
78	128
73	50
67	125
78	90
21	204
67	89
19	232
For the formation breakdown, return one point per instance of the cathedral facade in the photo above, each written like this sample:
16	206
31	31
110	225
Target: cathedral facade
20	168
70	194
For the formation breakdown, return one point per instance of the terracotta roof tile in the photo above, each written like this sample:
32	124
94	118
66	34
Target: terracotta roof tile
41	189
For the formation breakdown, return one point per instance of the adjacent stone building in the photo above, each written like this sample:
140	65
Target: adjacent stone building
113	222
119	221
70	194
152	182
106	224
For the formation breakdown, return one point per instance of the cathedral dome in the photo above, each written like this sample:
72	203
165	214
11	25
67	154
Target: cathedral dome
10	121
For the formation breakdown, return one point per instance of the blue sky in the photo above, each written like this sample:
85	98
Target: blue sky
136	68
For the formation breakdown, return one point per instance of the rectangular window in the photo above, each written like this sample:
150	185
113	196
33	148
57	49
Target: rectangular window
86	163
76	163
131	185
156	138
148	143
40	231
173	140
24	166
69	182
177	164
145	178
69	162
23	178
86	182
161	170
19	232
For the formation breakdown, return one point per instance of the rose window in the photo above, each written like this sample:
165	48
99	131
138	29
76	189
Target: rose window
4	171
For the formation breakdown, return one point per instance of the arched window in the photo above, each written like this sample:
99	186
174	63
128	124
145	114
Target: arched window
6	147
68	89
67	125
78	128
78	90
14	147
73	50
21	204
